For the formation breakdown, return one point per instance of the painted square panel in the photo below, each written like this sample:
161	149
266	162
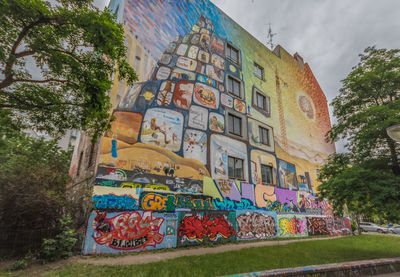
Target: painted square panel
165	94
186	63
206	96
162	127
198	117
183	94
216	122
195	145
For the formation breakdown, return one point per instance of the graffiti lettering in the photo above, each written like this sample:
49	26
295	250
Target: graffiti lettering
253	225
292	226
317	226
199	228
128	230
154	202
133	243
338	226
170	202
111	201
231	205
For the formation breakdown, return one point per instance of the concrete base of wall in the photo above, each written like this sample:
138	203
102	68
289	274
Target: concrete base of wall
357	268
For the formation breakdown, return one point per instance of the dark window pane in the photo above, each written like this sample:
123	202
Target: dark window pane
236	89
239	168
234	86
230	84
263	134
231	167
235	168
234	125
258	71
233	54
238	126
230	123
266	174
260	101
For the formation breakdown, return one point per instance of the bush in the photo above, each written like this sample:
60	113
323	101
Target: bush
33	178
353	227
61	246
19	265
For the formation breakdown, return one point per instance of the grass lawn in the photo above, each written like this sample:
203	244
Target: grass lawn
252	259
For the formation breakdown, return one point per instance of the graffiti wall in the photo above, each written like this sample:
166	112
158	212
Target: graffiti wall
206	227
291	225
328	226
255	225
204	149
129	231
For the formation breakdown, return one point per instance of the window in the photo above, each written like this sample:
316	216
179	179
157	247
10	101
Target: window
232	53
235	125
235	168
234	86
263	134
266	174
258	71
261	102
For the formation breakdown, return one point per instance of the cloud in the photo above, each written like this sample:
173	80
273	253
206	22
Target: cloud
329	35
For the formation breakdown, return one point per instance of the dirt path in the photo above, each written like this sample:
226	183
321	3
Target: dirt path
145	258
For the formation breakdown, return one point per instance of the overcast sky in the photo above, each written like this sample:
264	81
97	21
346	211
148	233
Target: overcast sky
328	34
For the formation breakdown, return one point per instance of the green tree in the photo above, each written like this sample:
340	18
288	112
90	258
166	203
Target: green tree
33	178
56	63
359	189
366	181
367	104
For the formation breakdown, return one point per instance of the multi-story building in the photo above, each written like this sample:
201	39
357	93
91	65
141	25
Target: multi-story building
216	116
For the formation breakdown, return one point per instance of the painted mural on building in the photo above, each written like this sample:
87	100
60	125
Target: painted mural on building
204	148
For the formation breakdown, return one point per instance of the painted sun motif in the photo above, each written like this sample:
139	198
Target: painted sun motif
306	106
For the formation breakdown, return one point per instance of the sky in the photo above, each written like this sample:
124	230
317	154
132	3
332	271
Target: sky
328	34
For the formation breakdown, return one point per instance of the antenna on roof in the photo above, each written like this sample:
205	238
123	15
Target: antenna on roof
270	37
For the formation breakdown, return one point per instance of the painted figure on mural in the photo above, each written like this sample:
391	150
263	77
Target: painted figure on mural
221	158
216	125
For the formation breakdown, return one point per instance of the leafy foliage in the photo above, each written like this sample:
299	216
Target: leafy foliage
33	178
367	104
359	188
61	246
19	265
366	181
56	61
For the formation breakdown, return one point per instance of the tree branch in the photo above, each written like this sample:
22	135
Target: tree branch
24	53
8	80
40	81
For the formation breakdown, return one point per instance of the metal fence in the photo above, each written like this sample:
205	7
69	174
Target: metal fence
14	243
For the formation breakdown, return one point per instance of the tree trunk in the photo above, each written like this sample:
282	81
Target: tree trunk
358	224
393	156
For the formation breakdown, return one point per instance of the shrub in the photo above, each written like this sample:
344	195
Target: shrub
61	246
33	178
19	265
353	227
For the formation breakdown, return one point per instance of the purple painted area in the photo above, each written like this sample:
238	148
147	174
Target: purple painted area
248	192
286	196
235	194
